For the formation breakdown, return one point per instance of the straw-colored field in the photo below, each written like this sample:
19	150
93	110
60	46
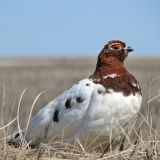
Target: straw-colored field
54	75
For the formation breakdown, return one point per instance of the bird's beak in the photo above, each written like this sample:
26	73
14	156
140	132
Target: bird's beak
129	49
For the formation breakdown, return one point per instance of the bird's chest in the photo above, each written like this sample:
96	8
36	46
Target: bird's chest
111	111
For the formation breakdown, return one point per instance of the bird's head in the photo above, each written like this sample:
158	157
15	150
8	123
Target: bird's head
117	49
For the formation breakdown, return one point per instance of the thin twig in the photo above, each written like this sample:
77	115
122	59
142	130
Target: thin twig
19	104
8	124
32	110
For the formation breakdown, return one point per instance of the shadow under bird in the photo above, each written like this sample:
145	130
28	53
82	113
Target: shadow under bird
106	102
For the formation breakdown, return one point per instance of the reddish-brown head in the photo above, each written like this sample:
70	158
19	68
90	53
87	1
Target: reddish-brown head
117	49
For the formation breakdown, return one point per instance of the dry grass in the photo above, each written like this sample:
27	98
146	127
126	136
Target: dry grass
54	75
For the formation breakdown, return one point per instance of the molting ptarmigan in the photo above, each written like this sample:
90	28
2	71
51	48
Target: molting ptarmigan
94	109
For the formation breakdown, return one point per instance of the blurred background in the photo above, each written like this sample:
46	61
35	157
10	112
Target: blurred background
49	45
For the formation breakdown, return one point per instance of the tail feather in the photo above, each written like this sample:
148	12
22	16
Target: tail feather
16	139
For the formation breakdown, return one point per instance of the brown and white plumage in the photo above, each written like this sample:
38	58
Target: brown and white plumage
92	108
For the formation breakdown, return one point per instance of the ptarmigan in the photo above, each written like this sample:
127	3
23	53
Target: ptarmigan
96	109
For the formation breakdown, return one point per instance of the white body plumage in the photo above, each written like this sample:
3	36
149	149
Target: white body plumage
98	114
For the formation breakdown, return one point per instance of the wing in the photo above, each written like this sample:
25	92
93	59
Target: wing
62	115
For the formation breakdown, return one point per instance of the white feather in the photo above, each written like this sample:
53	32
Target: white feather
111	76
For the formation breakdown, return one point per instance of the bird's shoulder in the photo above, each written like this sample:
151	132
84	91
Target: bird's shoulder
73	101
